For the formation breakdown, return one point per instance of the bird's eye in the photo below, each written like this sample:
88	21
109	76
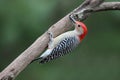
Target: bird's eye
78	25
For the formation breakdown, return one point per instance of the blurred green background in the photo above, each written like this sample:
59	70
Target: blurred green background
97	58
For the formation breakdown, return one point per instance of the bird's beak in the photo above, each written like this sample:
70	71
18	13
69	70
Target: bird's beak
72	19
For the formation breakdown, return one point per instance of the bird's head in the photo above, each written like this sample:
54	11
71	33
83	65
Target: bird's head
80	28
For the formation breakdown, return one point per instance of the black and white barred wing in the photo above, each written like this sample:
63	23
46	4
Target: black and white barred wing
64	47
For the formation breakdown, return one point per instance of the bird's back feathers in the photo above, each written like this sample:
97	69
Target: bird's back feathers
64	47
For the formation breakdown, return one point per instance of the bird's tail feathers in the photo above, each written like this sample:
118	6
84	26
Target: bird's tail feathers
39	58
44	55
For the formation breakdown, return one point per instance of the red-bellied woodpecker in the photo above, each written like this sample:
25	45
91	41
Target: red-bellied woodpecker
64	43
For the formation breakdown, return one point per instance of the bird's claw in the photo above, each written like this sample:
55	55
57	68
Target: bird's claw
50	34
51	38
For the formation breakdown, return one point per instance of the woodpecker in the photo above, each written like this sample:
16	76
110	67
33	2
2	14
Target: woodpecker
64	43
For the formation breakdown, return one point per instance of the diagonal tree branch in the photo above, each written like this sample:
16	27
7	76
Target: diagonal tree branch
108	6
84	10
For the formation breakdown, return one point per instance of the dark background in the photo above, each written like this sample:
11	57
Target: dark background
97	57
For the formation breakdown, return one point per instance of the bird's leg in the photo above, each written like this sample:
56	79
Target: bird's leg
50	45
